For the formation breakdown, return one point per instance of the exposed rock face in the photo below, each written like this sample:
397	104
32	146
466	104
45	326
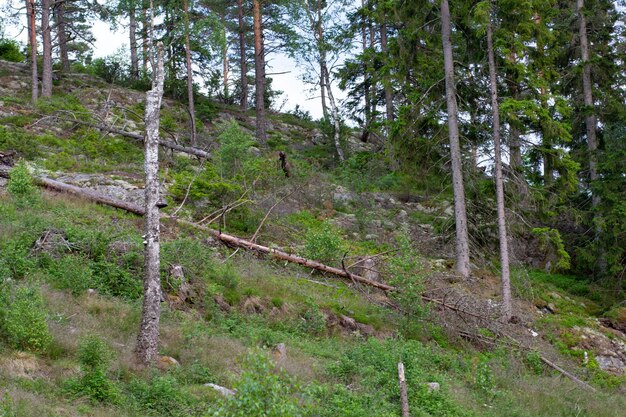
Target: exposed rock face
114	188
610	354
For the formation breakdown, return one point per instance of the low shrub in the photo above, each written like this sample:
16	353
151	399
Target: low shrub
22	186
23	319
10	51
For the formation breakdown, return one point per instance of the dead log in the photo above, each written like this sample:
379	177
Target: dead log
223	237
164	143
404	397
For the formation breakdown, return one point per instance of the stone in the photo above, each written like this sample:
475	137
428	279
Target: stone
348	323
222	390
402	216
343	196
371	236
167	362
366	329
433	386
552	308
254	151
221	302
279	353
253	305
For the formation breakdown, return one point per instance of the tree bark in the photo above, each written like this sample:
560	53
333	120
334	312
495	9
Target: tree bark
259	71
192	110
507	308
591	125
46	79
462	243
323	64
243	62
59	18
144	39
148	337
335	112
404	397
387	82
366	76
134	58
32	41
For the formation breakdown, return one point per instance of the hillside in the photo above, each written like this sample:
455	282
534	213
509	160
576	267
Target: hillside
291	341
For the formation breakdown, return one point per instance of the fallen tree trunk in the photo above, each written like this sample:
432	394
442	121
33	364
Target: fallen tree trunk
164	143
226	238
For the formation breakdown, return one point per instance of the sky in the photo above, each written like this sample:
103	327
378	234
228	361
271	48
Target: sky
295	92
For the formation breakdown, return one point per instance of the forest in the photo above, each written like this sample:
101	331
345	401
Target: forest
172	226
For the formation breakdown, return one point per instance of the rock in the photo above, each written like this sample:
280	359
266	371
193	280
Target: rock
348	323
119	248
367	269
221	302
366	329
91	292
371	236
254	151
402	216
552	308
222	390
611	364
279	353
167	362
343	196
433	386
448	211
253	305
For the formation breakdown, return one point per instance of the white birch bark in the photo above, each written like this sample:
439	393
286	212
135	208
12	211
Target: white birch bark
148	338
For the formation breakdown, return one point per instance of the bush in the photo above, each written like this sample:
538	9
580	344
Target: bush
162	394
23	319
22	187
94	356
261	392
10	51
324	244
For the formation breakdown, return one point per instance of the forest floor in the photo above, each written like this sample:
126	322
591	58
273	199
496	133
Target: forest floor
289	340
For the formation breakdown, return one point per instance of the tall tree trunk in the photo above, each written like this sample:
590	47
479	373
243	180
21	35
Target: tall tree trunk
243	62
32	41
192	110
590	122
372	39
366	76
134	58
59	18
323	63
144	39
462	242
148	337
46	78
259	71
225	68
386	81
507	308
335	113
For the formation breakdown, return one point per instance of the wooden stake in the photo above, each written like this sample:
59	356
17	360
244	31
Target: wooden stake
404	397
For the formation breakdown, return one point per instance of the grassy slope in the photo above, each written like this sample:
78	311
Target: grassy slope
328	370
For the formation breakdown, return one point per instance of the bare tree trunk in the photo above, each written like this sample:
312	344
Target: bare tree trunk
462	244
144	39
134	59
46	79
507	308
243	63
404	397
59	18
323	63
386	81
32	41
591	124
259	70
366	77
225	68
148	337
192	110
335	113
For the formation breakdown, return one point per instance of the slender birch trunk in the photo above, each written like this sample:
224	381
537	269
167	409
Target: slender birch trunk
507	308
259	70
32	41
462	243
148	338
335	113
192	110
46	78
